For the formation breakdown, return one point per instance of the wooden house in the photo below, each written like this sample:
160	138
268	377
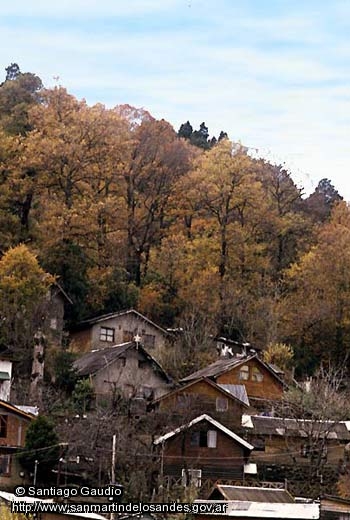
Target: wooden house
13	425
225	403
116	328
296	441
202	450
127	369
262	382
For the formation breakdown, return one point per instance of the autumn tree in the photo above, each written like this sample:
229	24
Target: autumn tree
18	93
317	305
23	291
158	160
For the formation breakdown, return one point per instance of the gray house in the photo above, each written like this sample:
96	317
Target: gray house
116	328
127	369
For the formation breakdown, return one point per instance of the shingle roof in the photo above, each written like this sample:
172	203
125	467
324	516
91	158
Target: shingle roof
91	362
225	364
251	494
216	424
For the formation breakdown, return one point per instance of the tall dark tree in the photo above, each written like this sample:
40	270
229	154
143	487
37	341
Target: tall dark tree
12	72
185	130
320	203
200	137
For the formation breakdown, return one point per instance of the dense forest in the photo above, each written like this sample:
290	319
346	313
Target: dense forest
188	229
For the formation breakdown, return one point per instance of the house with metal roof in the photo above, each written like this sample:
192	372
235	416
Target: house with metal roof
262	382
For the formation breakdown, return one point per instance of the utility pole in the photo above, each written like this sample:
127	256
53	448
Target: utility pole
35	471
114	449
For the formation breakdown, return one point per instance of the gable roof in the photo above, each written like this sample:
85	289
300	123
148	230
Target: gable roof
216	424
236	394
222	365
103	317
92	362
250	494
11	408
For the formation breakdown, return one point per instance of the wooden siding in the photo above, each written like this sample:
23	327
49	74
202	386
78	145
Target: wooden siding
15	431
268	388
224	461
288	450
190	402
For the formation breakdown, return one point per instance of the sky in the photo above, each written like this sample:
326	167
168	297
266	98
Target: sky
273	74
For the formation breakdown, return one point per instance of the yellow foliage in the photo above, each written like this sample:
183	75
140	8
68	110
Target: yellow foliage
279	354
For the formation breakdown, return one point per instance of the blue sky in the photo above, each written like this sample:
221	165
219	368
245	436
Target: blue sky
274	74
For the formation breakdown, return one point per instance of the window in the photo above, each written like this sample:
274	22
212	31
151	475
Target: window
212	438
191	477
3	426
107	334
142	363
257	375
204	439
221	404
5	464
244	373
122	361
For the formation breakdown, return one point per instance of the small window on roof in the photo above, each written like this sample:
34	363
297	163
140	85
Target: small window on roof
257	375
244	373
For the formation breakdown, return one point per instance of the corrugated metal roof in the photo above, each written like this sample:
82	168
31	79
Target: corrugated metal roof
238	391
263	425
254	494
267	510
